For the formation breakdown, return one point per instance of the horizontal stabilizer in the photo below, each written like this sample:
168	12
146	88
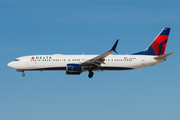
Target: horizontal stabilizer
163	57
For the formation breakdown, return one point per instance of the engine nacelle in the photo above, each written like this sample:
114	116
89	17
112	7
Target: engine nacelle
73	69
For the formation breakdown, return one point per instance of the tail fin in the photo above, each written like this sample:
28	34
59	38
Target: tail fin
158	46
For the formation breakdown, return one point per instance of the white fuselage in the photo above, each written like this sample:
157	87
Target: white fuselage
59	62
76	64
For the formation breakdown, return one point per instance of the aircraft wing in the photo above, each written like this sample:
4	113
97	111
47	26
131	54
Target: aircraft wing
97	61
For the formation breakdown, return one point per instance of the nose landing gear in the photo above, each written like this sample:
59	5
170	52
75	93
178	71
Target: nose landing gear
23	74
21	71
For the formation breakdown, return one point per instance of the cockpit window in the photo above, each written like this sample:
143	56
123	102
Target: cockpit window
16	59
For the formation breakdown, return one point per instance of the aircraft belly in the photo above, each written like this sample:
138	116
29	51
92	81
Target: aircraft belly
122	65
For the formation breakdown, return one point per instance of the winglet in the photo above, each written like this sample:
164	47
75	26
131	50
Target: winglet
114	46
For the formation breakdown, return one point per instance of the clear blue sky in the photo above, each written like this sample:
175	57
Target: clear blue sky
30	27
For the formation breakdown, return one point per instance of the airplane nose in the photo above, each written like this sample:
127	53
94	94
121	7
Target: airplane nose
10	64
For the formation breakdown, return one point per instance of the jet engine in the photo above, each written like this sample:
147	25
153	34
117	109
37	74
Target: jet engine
73	69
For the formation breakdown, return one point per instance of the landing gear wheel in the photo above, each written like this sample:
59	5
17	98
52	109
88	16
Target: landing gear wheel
23	74
90	74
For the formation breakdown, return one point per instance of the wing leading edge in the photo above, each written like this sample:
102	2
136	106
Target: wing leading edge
97	61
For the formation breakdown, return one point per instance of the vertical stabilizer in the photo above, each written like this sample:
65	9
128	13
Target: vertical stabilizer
158	46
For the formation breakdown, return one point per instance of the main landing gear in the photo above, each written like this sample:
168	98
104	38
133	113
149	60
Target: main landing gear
90	74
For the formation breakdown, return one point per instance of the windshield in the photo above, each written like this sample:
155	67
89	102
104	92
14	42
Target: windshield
16	59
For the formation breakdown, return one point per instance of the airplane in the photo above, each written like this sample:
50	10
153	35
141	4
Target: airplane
76	64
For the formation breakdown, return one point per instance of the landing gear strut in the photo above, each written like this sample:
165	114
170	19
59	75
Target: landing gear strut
90	74
23	74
